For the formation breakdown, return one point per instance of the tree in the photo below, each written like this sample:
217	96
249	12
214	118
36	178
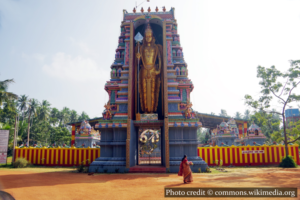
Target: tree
64	116
4	95
73	116
44	110
23	104
223	113
238	115
83	116
272	86
247	114
32	108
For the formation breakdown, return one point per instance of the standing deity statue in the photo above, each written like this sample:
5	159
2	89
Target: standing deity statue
150	72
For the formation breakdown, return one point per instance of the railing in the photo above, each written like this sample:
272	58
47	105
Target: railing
58	156
247	155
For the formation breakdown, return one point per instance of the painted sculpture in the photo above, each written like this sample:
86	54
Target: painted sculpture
149	75
107	113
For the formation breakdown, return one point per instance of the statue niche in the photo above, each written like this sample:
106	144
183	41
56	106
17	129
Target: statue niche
150	72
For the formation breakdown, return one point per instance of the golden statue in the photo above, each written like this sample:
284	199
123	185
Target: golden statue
149	74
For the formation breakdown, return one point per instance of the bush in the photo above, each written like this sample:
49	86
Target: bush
199	170
288	162
21	163
80	168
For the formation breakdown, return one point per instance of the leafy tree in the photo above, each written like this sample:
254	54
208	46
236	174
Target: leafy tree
272	86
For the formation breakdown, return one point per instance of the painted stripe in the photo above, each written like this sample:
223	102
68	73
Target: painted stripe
207	159
210	155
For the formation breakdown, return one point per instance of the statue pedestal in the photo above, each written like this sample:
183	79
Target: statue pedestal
145	117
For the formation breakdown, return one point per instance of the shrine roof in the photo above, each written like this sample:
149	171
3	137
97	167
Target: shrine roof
211	121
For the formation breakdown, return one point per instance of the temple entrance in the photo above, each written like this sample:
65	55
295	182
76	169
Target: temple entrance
149	146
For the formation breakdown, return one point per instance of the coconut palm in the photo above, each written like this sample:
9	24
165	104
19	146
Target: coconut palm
247	114
73	116
238	115
32	110
83	116
223	113
23	104
4	95
64	116
44	110
54	116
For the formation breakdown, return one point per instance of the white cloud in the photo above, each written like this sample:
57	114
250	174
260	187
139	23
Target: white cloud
77	68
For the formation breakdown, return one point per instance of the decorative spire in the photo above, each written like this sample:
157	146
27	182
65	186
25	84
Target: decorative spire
164	8
149	9
134	10
156	9
142	10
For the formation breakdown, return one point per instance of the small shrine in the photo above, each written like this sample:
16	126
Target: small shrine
254	136
225	134
86	135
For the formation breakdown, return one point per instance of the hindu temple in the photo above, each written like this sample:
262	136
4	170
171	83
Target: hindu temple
148	119
254	136
225	133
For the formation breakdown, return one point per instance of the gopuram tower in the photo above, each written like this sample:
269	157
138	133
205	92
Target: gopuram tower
148	120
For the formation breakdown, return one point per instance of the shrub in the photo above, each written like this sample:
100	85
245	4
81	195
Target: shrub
288	162
21	163
199	170
80	168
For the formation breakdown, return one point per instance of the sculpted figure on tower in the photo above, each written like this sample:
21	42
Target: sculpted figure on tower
150	72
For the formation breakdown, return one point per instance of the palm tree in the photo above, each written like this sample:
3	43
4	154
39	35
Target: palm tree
22	105
4	95
32	109
247	114
223	113
83	116
54	114
73	116
238	115
44	111
64	115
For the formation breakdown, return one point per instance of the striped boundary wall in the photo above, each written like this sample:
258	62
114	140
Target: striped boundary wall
236	155
58	156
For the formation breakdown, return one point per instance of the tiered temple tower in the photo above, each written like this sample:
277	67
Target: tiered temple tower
149	118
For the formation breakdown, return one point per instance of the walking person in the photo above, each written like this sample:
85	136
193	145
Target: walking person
185	170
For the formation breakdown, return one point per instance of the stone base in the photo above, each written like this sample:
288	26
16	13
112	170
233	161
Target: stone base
108	165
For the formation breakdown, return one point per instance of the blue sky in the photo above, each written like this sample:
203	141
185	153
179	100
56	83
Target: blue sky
61	51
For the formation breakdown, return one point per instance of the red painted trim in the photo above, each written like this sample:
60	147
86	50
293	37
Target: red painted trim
268	155
213	156
203	154
273	155
238	157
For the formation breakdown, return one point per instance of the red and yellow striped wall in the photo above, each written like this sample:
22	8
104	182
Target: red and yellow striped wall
233	155
58	156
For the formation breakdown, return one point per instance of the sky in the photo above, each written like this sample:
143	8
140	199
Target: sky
61	51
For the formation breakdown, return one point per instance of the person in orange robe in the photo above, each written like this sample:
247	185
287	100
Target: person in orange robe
185	170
